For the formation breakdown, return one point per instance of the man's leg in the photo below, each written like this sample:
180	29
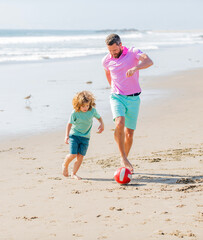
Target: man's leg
119	136
131	116
128	140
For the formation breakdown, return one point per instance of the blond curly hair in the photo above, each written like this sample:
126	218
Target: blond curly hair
82	98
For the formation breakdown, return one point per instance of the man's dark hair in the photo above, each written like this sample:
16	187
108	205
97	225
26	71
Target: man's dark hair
113	38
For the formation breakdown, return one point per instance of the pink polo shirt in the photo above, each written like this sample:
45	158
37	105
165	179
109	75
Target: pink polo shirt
118	67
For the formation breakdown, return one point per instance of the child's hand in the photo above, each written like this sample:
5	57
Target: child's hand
101	128
67	140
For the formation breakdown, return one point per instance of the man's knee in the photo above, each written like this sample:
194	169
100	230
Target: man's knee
129	134
120	123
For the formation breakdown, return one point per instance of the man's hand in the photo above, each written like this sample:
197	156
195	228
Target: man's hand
101	128
131	71
145	63
67	140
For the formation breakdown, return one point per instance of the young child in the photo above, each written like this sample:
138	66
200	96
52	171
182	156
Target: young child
78	130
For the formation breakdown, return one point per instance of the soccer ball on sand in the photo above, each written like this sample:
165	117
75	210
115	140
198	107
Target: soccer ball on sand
123	175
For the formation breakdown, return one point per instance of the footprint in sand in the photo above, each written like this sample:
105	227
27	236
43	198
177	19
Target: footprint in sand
164	213
77	235
160	232
75	192
20	148
155	160
23	205
117	209
111	208
178	234
6	150
53	234
55	178
199	218
180	206
102	237
187	189
28	158
10	149
39	168
185	180
27	218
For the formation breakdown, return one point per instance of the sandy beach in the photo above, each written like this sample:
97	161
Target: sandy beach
164	200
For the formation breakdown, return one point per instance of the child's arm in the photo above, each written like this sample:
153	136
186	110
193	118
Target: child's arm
68	128
101	126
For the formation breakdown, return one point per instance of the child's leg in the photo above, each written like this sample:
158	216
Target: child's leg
66	163
76	166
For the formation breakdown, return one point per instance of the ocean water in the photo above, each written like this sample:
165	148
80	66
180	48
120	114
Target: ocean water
43	45
53	65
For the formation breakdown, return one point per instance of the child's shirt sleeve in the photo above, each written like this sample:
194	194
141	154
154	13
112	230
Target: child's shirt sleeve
96	114
72	118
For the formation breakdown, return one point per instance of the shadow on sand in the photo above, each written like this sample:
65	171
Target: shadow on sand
165	178
141	179
132	183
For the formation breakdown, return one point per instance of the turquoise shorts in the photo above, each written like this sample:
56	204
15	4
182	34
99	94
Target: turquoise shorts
78	144
125	106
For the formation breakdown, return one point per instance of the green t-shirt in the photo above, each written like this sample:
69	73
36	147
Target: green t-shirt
82	122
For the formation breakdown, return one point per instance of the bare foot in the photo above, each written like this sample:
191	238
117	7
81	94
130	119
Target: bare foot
127	164
64	170
74	176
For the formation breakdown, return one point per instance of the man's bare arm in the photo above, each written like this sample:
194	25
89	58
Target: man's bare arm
145	63
108	76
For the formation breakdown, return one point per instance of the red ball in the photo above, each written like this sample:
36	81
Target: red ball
123	175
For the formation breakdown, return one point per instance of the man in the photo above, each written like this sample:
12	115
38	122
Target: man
122	67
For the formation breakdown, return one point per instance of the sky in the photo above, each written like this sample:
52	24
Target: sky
101	14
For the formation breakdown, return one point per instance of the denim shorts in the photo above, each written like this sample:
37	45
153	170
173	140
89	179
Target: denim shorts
125	106
78	144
